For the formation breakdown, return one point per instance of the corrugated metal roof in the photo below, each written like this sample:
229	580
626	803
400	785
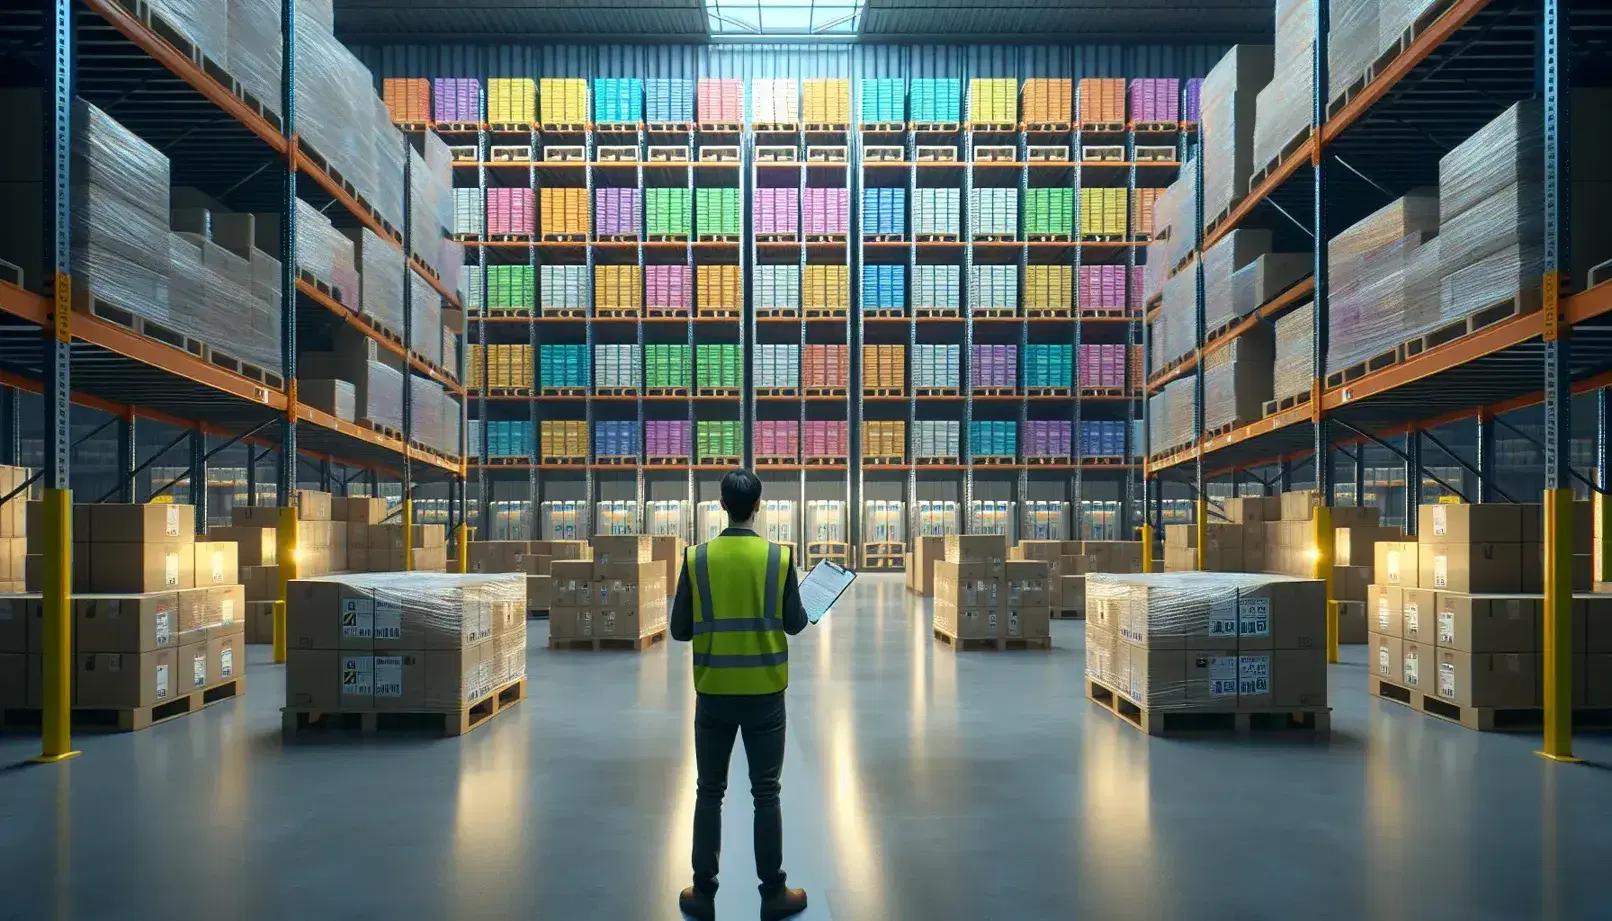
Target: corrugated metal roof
503	20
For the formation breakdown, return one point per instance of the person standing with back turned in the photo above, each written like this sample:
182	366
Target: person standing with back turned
736	599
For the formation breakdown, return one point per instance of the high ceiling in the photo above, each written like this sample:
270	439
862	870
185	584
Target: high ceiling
990	21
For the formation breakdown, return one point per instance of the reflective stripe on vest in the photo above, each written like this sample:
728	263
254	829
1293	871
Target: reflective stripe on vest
739	642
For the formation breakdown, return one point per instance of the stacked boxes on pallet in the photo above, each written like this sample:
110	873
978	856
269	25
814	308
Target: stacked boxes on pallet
1229	94
981	594
511	101
884	287
827	211
777	287
509	287
669	101
436	416
355	358
778	440
935	287
1101	438
380	282
615	439
1173	236
993	287
827	288
996	211
621	594
563	211
935	212
1049	287
1101	365
1237	379
936	366
775	211
828	102
1048	101
563	366
719	365
1258	281
884	101
715	440
884	212
469	215
509	211
507	366
618	366
937	438
1382	273
536	558
668	211
937	101
456	99
1208	643
667	438
1175	328
1142	211
994	367
254	51
1170	423
562	101
407	98
1049	211
431	191
615	211
1047	366
618	99
511	438
1102	101
1047	438
885	440
993	101
669	366
1293	371
774	102
716	211
418	642
825	366
13	553
777	366
1352	39
720	101
564	287
1154	100
1192	114
994	438
1102	212
720	288
670	288
1282	109
1069	562
827	439
558	438
1101	287
884	368
619	288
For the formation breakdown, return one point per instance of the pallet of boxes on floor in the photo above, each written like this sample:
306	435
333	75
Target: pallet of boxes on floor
620	598
1208	651
403	652
534	558
156	620
1456	619
1070	561
984	600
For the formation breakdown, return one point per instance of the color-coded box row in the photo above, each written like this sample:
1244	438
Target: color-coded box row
884	211
995	438
884	287
884	368
885	439
826	366
1047	438
994	367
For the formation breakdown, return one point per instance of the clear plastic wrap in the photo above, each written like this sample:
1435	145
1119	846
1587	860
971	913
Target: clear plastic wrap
1513	271
472	290
1258	282
1227	126
774	102
326	253
1220	262
1513	216
380	394
1395	17
1170	422
1353	43
1283	107
1294	369
1237	380
431	641
211	296
426	320
255	45
119	214
1367	311
380	267
425	397
1173	212
1180	318
1504	152
204	22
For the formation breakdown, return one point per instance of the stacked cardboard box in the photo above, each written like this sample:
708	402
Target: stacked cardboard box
926	551
981	594
1202	642
13	531
1101	101
403	642
562	101
622	593
1047	101
1070	561
993	101
1228	108
828	102
257	562
719	288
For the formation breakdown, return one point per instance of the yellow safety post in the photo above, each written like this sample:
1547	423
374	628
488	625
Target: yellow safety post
408	535
1147	548
461	541
56	741
285	542
1558	632
1201	512
1603	532
1324	539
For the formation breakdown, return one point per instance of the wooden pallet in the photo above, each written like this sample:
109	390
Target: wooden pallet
512	153
937	154
379	429
993	391
1000	643
936	127
1048	313
937	238
1047	391
1285	403
937	391
1100	460
667	460
509	391
825	391
886	460
510	237
778	312
1102	153
466	237
298	723
668	238
1287	150
717	154
563	391
883	154
721	127
563	460
669	127
510	127
1049	127
130	719
779	461
602	643
563	127
1104	127
245	369
565	313
994	460
618	312
1315	721
667	313
1102	391
463	153
993	238
1514	304
777	238
827	128
93	304
777	391
721	461
615	128
1486	719
776	127
718	238
457	127
826	238
1156	127
669	154
883	392
837	461
827	313
618	238
564	238
823	154
994	312
884	313
719	313
1048	237
666	391
617	460
1047	460
1102	238
936	460
507	460
933	313
1208	229
1155	154
723	392
1375	363
883	127
508	312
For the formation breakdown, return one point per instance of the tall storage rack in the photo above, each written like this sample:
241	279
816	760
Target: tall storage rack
215	139
1353	159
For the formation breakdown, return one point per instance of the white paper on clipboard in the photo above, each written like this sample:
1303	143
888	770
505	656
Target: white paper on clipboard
822	587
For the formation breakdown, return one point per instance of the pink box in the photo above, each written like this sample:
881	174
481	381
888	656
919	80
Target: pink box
776	210
509	211
669	286
720	101
827	210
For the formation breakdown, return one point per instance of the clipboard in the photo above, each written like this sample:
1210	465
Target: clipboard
822	587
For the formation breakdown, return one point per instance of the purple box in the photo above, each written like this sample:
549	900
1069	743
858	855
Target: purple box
1194	91
776	210
615	211
456	99
667	438
827	210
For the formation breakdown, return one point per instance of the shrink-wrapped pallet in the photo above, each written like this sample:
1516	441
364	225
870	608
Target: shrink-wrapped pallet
1353	42
1285	106
1048	101
1227	127
883	101
1261	280
1367	310
1180	314
119	215
1294	369
993	101
1170	418
255	47
1220	262
774	102
381	278
828	102
425	307
937	101
562	101
669	101
1237	379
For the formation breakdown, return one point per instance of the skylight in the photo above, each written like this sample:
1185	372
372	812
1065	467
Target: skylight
784	17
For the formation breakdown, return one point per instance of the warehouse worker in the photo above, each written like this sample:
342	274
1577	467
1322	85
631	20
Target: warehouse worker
736	599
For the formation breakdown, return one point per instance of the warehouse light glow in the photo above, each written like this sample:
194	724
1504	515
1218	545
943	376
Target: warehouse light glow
783	18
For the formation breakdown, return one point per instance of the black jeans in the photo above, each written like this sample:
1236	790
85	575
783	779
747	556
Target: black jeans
717	718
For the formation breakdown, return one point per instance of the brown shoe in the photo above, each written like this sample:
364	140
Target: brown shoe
784	903
697	905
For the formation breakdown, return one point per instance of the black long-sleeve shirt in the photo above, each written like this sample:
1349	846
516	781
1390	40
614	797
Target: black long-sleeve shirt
682	626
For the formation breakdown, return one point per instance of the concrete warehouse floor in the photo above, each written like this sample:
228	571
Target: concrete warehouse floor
919	784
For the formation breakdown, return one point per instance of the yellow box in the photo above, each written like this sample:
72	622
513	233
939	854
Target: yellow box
993	101
563	102
828	102
511	101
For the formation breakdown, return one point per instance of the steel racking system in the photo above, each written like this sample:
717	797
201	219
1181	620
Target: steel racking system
1465	61
253	159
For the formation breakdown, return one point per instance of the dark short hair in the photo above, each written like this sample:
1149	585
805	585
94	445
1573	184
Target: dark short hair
741	493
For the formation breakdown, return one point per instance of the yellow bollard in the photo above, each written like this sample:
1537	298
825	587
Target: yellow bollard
285	542
56	738
1147	548
1200	511
1324	539
1558	626
461	543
